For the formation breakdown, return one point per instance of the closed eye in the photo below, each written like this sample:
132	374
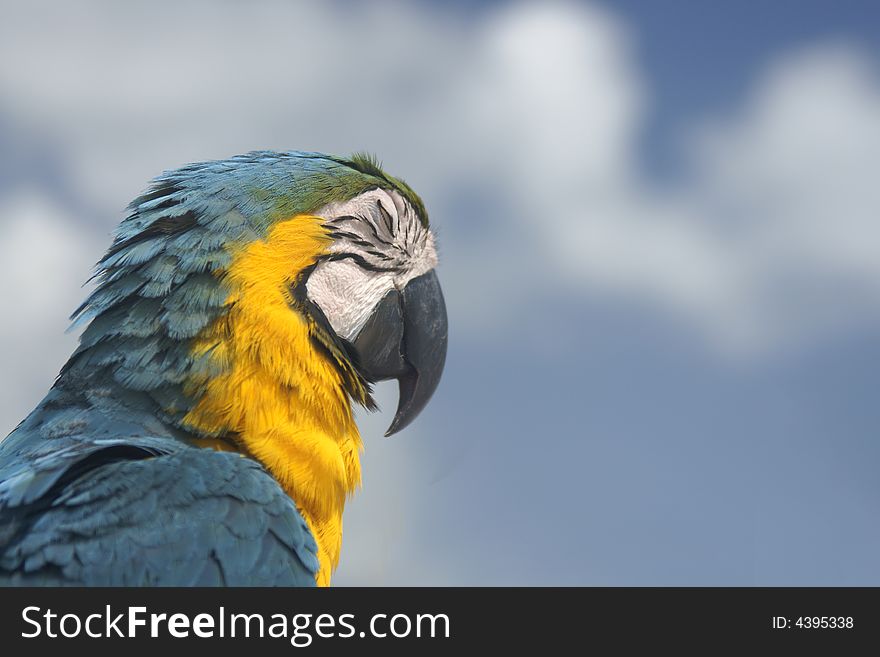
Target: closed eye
362	262
351	237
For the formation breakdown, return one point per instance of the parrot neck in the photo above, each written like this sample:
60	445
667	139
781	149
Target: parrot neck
279	394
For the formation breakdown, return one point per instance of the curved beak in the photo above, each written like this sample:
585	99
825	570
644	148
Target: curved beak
405	339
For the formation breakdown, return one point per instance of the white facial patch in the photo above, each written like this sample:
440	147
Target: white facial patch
379	245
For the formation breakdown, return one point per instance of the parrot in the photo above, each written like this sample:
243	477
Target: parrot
202	433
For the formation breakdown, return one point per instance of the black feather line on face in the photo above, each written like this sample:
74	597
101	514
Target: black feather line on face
351	237
386	217
383	256
339	352
361	221
363	263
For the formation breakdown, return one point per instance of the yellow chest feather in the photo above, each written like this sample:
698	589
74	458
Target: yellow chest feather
278	395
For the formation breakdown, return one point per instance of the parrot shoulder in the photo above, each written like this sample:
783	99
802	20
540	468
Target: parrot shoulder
150	512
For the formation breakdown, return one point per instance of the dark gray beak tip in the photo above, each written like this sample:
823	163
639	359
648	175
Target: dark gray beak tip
395	426
408	406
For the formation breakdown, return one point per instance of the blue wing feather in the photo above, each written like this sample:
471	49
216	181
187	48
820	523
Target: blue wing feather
96	490
124	515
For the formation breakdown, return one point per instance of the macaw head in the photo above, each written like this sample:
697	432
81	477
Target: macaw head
376	290
346	247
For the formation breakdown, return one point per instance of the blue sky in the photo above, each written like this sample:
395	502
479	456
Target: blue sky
658	241
701	57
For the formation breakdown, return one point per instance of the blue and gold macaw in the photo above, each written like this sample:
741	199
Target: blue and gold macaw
202	432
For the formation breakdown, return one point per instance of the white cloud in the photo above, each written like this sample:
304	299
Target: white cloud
148	88
788	184
556	97
771	240
43	260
